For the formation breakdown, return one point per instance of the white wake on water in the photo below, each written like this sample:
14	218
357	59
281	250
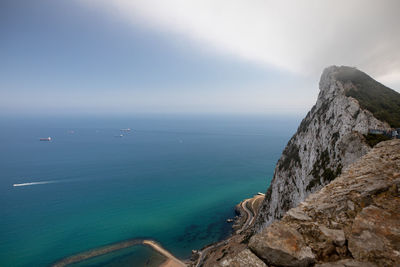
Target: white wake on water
37	183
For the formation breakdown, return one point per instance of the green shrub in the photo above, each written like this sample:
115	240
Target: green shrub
373	139
291	153
321	165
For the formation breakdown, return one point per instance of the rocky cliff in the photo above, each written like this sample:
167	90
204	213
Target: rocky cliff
328	140
334	201
353	221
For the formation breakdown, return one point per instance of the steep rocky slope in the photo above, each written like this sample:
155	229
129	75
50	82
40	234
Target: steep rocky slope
353	221
328	139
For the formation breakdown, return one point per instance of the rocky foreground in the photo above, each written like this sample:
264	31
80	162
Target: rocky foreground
353	221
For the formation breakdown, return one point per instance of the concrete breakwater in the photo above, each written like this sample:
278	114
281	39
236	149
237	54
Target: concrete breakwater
118	246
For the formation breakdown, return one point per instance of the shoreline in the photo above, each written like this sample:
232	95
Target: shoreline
171	260
251	213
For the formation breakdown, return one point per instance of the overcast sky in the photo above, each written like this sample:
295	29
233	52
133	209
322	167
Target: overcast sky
180	56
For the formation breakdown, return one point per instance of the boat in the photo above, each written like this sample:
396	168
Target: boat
125	130
45	139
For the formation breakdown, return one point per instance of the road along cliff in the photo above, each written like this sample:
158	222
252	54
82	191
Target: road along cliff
213	253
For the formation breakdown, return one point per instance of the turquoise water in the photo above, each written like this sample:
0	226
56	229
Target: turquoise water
174	179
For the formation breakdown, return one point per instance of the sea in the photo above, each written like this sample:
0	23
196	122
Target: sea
172	178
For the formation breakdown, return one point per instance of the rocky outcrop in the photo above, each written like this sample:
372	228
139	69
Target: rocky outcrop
328	140
282	245
346	263
353	221
244	258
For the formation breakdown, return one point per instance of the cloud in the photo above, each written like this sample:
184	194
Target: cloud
299	36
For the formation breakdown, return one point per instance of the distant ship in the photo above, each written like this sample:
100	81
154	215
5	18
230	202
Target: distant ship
121	135
125	130
45	139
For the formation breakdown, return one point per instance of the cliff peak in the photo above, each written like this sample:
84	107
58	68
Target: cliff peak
381	101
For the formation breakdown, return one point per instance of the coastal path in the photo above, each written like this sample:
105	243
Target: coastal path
251	214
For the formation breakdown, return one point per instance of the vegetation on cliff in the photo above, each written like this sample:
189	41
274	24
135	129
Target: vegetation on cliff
291	154
373	139
381	101
321	170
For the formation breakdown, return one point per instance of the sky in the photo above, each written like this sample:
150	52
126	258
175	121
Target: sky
180	56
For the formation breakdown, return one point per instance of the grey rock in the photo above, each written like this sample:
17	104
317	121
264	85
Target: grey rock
298	214
350	204
243	259
376	234
281	245
337	236
346	263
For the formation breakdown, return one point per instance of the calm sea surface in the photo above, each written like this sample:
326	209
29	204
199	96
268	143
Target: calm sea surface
172	179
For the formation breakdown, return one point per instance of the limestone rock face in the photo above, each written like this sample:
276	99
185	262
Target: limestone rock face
244	259
346	263
353	221
376	233
328	140
337	236
282	245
